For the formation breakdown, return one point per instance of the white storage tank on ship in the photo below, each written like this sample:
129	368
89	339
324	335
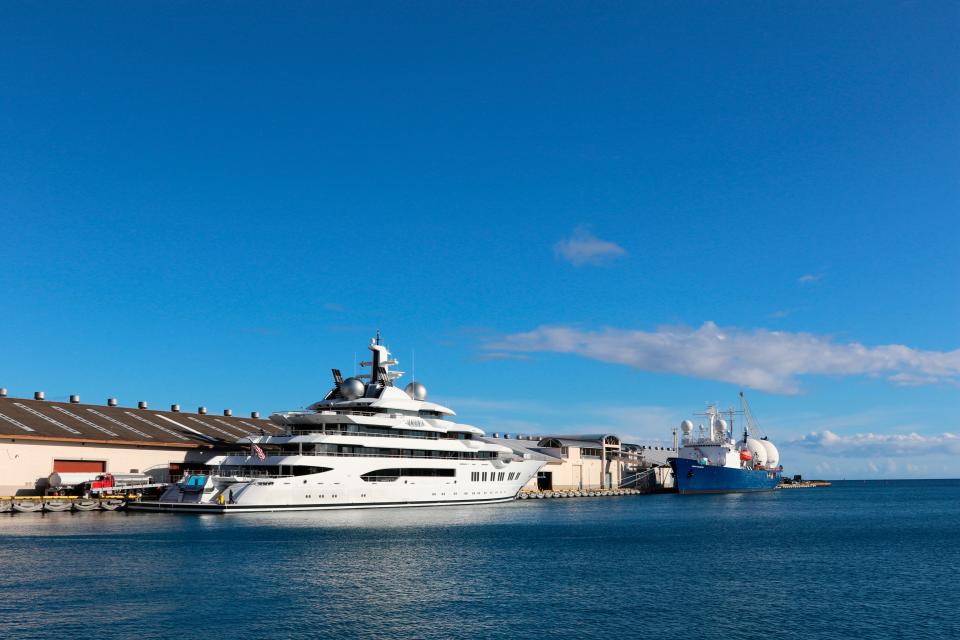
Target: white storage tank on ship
758	451
773	456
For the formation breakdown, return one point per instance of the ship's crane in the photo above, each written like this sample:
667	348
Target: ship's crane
752	425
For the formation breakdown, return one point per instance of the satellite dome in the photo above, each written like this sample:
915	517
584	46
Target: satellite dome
686	426
352	388
719	428
416	390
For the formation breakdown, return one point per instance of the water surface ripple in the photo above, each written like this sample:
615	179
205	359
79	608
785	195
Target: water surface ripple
860	559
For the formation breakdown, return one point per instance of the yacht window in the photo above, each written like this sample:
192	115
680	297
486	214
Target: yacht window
305	471
389	475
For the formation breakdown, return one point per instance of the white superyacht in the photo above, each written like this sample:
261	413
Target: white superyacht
367	444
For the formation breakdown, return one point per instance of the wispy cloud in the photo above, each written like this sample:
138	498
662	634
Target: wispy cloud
583	248
809	278
759	358
498	355
870	445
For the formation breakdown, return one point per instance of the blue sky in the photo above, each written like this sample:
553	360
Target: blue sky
578	216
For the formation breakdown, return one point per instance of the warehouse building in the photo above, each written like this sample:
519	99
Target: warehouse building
39	437
587	462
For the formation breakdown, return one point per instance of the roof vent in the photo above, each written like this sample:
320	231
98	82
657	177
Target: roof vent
202	411
175	408
38	395
74	399
254	414
507	436
227	412
495	435
3	392
142	404
111	402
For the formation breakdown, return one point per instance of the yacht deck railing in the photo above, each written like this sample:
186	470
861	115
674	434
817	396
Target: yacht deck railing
337	432
286	454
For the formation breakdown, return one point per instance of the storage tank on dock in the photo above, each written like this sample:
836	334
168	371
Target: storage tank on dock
60	479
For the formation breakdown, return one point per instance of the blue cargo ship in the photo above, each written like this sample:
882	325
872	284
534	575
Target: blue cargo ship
692	477
710	460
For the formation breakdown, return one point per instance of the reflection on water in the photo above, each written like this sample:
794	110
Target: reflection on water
817	563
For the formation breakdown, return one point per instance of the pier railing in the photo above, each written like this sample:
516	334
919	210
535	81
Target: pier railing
634	479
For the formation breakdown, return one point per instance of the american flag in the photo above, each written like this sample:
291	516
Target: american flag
257	450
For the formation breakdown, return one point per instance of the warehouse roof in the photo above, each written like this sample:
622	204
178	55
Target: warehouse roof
62	421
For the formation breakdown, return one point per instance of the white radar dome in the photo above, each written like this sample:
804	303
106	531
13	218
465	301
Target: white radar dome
352	388
416	390
686	426
758	450
773	456
719	428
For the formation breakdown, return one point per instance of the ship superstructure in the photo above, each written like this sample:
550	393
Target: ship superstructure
367	443
711	459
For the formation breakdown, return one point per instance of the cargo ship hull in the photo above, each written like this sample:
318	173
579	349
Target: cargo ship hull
693	477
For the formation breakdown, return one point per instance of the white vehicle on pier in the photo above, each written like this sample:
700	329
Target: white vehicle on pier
367	444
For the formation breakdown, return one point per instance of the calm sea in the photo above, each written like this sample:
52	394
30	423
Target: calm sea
858	560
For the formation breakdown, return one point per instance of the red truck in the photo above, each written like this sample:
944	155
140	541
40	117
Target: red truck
119	481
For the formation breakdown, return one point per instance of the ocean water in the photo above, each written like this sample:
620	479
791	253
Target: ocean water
857	560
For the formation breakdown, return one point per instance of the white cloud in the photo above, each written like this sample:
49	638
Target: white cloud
584	248
877	444
759	358
808	278
498	355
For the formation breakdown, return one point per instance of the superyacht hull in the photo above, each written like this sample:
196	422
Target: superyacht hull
344	486
175	507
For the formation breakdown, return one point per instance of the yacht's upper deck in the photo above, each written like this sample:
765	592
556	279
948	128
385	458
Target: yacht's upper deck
372	399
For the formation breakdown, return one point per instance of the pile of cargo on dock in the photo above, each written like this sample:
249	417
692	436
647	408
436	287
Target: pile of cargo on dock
803	484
